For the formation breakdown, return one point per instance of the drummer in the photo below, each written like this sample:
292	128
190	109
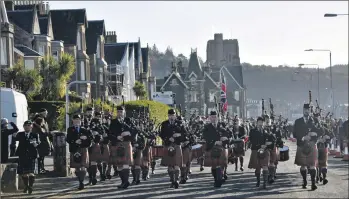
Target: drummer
216	152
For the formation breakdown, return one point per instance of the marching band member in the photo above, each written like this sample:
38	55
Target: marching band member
238	144
98	153
121	148
187	153
138	145
274	153
88	117
147	157
306	155
261	144
28	153
216	152
79	140
105	150
172	132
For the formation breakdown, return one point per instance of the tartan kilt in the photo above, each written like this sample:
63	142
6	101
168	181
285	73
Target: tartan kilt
323	161
105	156
26	165
127	159
85	160
256	163
176	160
215	162
187	153
274	156
146	156
306	160
137	158
94	153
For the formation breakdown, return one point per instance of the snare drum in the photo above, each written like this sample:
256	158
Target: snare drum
158	151
284	154
198	152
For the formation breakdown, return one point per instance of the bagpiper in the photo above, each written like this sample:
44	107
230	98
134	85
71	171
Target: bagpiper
306	156
188	141
238	141
138	145
121	149
172	133
79	140
216	148
262	142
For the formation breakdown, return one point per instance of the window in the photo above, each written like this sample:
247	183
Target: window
98	49
41	50
193	96
236	95
211	95
101	78
193	80
3	51
82	71
29	64
55	55
78	40
174	82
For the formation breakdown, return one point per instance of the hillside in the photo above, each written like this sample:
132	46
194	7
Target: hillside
284	83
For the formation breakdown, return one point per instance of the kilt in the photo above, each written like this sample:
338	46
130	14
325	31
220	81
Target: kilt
95	153
215	162
137	158
176	160
105	156
127	159
256	163
26	165
274	156
146	156
186	156
309	160
84	162
323	159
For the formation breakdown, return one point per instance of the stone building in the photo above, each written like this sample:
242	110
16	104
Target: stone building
223	54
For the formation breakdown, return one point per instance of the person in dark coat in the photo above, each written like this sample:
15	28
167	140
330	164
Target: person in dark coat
5	132
27	153
45	145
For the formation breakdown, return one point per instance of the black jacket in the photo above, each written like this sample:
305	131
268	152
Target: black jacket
25	148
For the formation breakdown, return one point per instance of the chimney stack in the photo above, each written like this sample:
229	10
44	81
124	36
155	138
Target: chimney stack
111	37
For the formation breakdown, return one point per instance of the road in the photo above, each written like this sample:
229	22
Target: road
200	185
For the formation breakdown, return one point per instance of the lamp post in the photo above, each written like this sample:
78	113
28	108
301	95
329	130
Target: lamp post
67	99
334	15
331	84
318	78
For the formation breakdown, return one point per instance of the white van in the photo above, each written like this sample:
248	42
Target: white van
14	107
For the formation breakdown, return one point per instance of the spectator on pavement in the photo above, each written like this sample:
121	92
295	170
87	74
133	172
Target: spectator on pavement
5	132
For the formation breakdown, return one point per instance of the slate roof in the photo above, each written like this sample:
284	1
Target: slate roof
136	47
27	51
215	76
113	53
22	18
64	24
43	22
236	71
194	66
130	49
145	59
94	30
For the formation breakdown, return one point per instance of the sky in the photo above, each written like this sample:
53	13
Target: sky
269	32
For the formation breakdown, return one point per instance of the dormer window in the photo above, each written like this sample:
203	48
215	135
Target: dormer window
193	80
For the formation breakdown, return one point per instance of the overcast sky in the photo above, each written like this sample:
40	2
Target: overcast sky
271	33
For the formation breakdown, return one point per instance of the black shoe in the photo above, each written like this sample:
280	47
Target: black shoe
241	168
313	187
30	190
25	190
126	185
172	185
81	186
176	184
201	168
304	186
102	178
321	179
183	181
94	181
108	177
258	184
325	181
189	171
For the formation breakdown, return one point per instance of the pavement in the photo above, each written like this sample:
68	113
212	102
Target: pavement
200	185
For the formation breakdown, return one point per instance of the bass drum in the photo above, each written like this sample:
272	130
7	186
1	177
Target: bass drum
284	154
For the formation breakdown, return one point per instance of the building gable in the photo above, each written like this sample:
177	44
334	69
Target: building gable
36	25
174	76
208	78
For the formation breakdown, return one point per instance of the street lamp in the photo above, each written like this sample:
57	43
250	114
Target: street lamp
333	15
67	99
318	78
331	85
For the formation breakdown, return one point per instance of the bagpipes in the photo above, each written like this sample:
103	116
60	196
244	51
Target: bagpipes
263	109
271	107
